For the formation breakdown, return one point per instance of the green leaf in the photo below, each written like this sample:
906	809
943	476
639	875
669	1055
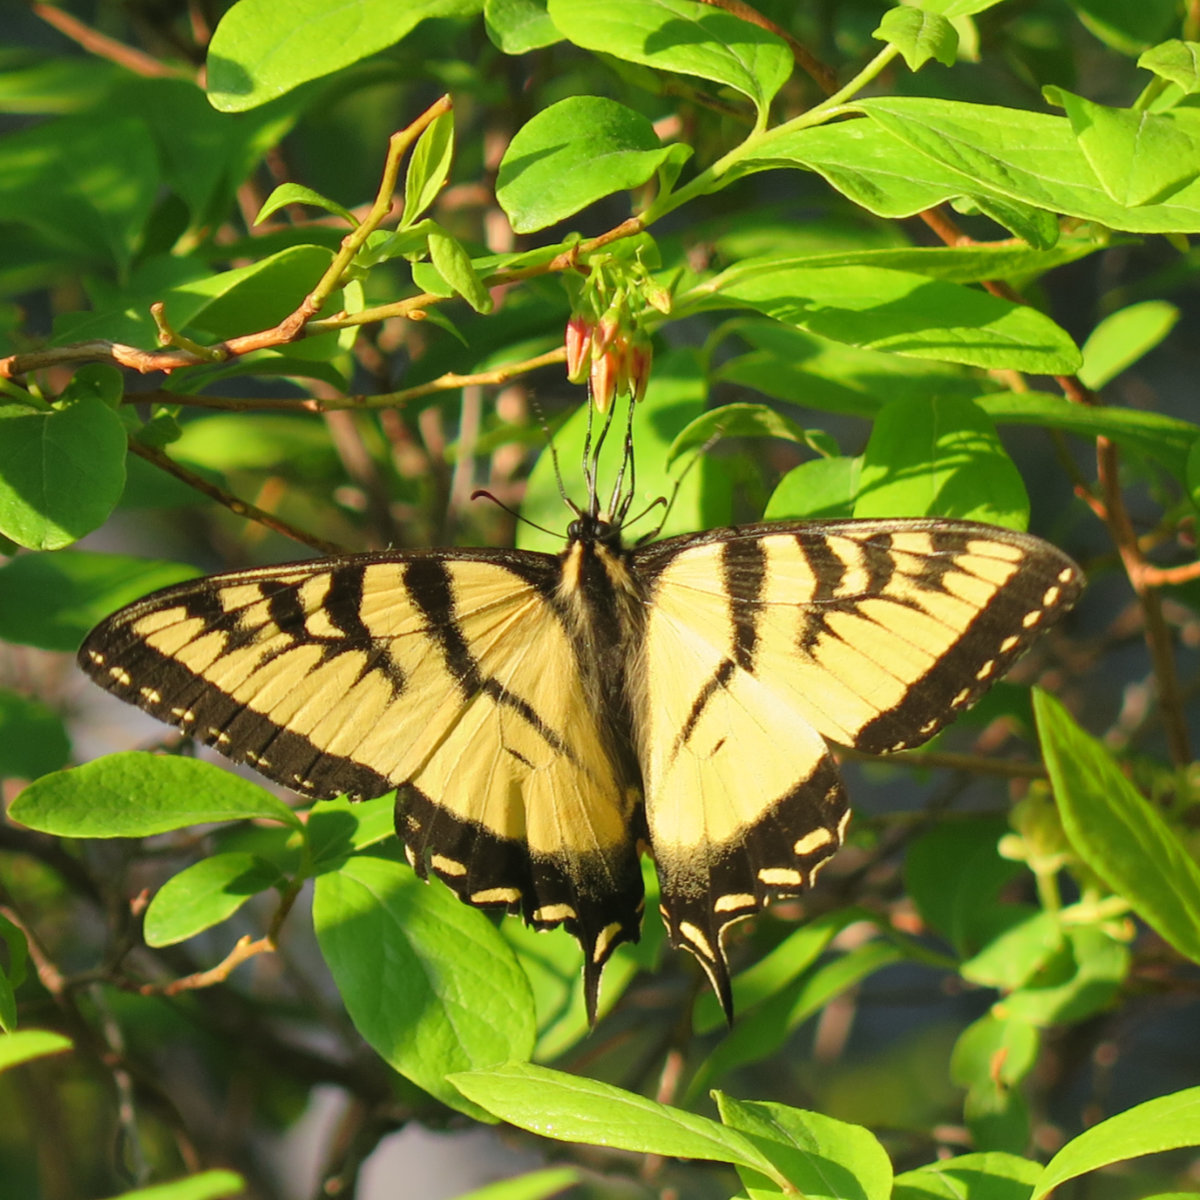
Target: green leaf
135	794
36	84
998	1119
426	979
254	56
245	441
205	894
939	457
958	8
428	168
28	1044
453	263
208	1185
954	875
1030	157
550	959
979	1176
297	193
1016	954
338	828
96	211
1124	337
800	367
1192	478
204	156
123	314
1082	979
1125	26
8	1004
1137	156
681	36
94	381
1167	1123
518	26
1176	61
18	950
211	307
255	296
742	420
1120	836
574	153
1166	440
952	264
990	1059
865	162
821	490
805	369
33	739
569	1108
52	600
993	1051
820	1157
1035	226
897	311
919	36
61	472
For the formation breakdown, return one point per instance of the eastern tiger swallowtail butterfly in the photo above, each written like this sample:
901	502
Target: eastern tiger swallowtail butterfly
540	716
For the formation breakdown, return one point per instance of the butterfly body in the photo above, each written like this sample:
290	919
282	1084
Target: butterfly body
542	716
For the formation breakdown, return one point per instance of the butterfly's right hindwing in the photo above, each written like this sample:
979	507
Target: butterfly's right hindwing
448	676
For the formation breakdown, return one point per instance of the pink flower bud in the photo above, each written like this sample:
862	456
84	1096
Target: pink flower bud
604	332
578	343
640	358
604	374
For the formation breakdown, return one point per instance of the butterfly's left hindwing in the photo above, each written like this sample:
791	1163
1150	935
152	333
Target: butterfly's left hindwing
449	676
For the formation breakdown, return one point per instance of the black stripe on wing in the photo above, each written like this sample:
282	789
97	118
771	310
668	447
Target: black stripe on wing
1045	585
270	618
163	688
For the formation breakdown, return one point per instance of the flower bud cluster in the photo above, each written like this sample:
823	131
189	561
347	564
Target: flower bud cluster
612	355
608	336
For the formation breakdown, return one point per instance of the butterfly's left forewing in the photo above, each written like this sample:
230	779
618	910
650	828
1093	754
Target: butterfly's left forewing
448	676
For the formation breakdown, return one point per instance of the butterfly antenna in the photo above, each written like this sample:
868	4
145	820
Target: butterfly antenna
591	462
558	479
620	502
589	469
669	503
484	494
661	500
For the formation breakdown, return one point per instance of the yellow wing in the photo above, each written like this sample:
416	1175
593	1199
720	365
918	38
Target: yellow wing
763	641
448	676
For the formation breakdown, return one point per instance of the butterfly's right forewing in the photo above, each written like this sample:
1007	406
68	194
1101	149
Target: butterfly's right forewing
765	640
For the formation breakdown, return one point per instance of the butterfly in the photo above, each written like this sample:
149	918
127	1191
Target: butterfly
543	717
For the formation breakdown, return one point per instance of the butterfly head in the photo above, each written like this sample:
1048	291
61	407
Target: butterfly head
596	529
